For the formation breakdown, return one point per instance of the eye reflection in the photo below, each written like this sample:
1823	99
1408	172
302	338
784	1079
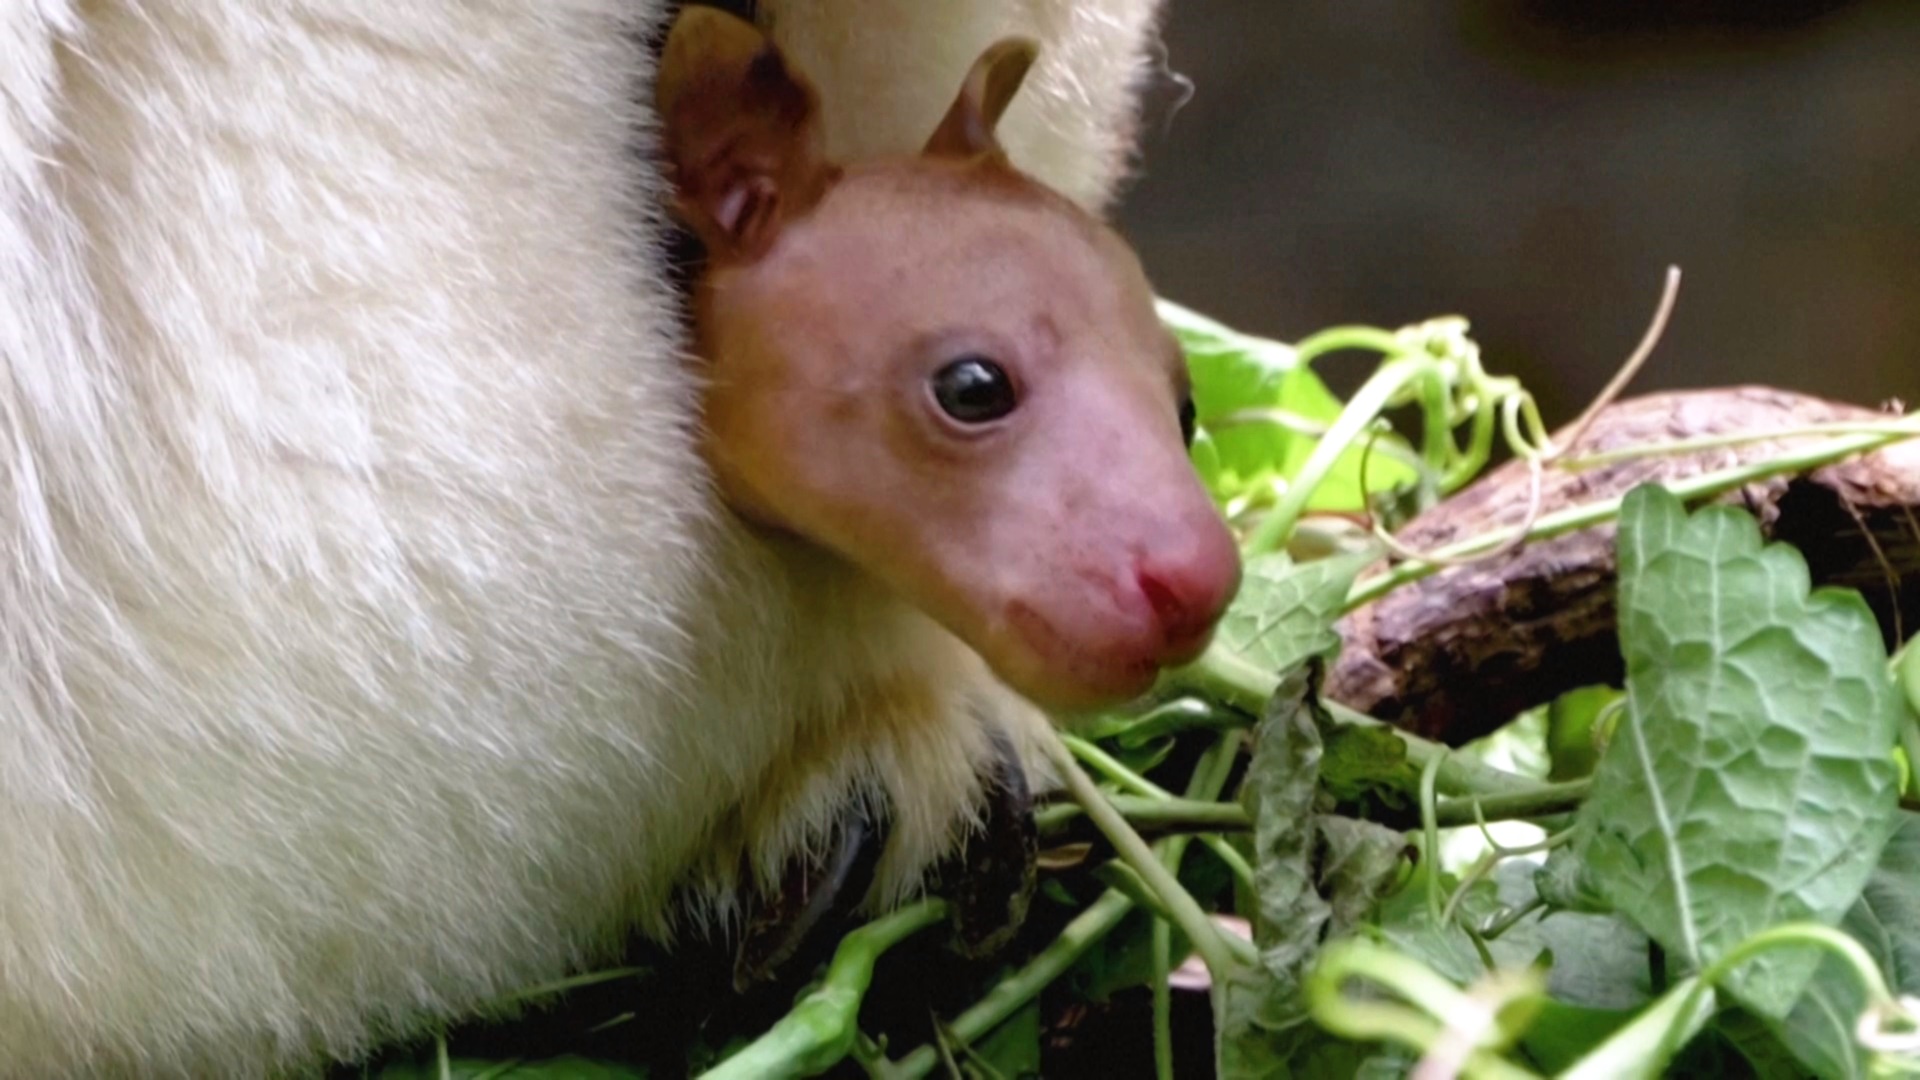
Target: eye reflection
974	390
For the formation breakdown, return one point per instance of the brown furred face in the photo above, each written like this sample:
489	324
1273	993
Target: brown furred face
1066	538
957	380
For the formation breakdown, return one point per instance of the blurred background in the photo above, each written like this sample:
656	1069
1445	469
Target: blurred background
1535	165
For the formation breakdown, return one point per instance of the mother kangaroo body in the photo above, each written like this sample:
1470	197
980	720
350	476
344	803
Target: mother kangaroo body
372	641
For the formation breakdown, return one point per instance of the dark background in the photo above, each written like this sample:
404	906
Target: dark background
1535	165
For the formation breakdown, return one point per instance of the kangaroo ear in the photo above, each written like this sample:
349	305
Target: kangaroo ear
967	129
742	133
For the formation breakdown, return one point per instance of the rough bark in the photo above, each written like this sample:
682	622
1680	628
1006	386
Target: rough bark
1457	654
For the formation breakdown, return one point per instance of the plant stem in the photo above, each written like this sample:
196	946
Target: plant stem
1907	426
1110	767
1439	1003
1224	676
1457	775
1217	955
1366	406
1172	718
1639	1048
1083	933
1787	935
1573	518
1541	801
1479	450
1512	919
1235	861
1007	996
821	1028
1184	814
1162	1001
1338	338
1906	669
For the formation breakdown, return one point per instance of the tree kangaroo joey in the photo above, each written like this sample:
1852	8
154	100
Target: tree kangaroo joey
934	389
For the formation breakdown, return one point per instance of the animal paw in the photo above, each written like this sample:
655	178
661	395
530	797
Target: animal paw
988	883
815	890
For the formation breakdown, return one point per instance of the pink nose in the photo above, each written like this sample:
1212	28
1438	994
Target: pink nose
1190	586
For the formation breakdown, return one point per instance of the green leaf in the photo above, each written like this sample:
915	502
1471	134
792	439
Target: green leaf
1633	1051
1265	1036
1563	1033
1123	961
1364	761
1562	881
1013	1048
1358	863
1314	875
1281	792
1130	729
1910	678
1263	1019
1713	1053
1142	756
1261	411
1597	961
1767	1057
1750	781
1907	670
1406	921
1570	731
1284	612
1886	920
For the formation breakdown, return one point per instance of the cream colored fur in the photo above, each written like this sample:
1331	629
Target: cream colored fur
369	644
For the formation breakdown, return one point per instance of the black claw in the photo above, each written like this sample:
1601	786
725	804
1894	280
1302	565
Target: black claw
811	894
992	882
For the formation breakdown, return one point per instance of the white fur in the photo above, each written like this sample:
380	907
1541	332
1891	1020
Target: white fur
888	69
369	645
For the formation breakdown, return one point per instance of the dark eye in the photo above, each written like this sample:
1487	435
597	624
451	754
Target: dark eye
1186	420
973	390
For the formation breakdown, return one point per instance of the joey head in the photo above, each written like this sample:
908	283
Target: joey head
943	372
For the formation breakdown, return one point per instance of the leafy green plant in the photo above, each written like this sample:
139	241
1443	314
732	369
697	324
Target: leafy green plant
1727	877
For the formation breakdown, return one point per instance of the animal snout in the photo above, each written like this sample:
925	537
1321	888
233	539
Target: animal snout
1189	586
